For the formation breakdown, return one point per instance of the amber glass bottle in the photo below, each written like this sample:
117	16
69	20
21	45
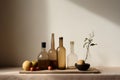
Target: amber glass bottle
43	61
52	55
61	52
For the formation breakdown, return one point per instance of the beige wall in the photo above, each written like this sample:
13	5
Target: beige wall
24	26
75	19
25	23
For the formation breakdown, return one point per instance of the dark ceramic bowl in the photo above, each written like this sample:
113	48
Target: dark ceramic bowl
82	67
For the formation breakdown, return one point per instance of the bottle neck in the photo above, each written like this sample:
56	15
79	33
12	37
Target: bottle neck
60	42
52	42
72	47
43	49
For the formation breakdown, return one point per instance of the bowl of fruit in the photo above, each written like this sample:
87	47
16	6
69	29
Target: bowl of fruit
81	65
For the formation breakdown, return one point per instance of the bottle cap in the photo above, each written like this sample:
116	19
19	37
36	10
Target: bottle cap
43	44
71	42
53	34
60	37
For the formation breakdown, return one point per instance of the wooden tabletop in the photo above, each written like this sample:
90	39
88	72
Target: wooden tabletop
106	73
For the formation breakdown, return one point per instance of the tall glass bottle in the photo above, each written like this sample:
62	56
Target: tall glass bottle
52	54
61	52
43	61
72	57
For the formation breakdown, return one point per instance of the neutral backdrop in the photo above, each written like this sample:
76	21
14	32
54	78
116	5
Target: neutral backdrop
24	24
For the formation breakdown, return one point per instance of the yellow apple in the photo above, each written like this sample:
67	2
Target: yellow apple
26	65
34	63
80	62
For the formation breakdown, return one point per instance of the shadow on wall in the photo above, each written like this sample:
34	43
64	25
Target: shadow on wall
24	26
109	9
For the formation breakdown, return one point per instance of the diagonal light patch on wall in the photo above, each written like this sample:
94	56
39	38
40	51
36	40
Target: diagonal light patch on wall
109	9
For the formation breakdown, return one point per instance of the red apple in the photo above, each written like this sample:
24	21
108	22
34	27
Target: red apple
37	68
32	69
49	67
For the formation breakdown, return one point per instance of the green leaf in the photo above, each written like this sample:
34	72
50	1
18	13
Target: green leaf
85	44
92	44
85	39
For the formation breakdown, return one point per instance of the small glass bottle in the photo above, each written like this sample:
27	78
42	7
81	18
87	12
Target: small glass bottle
72	57
52	54
61	52
43	61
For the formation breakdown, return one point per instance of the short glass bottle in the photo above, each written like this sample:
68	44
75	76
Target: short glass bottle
72	57
43	61
52	54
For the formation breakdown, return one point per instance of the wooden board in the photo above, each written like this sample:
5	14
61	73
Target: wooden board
67	71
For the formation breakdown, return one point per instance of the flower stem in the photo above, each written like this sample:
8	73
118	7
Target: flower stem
87	53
